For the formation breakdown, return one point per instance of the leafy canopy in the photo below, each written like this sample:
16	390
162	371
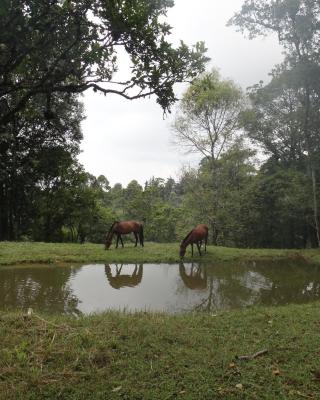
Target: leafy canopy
208	116
70	46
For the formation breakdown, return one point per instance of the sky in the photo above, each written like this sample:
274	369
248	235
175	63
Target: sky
126	140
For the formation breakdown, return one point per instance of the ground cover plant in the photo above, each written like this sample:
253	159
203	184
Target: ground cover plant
33	252
156	356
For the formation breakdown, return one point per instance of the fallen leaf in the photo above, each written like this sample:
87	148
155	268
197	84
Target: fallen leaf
116	389
239	386
275	372
232	365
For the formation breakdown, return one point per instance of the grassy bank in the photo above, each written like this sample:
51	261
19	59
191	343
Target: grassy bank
21	252
154	356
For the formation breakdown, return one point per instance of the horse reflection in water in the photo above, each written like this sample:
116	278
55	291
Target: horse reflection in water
195	278
118	281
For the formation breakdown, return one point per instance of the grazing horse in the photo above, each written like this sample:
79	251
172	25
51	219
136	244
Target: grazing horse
122	228
197	235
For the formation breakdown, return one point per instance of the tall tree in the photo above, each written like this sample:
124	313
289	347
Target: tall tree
207	123
34	153
297	24
208	116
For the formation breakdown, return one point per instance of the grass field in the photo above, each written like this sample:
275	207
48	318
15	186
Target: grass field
155	356
29	252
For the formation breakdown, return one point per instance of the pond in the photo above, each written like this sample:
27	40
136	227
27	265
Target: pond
157	287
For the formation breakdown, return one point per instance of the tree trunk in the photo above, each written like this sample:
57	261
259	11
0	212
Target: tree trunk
311	163
315	204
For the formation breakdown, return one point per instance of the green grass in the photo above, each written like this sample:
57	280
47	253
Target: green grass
30	252
155	356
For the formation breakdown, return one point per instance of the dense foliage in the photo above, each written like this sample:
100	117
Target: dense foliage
285	114
65	46
50	51
257	184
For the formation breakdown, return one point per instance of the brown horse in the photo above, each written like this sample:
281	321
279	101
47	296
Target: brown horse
122	228
197	235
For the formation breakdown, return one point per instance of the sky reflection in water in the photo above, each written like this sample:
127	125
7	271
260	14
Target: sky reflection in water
157	287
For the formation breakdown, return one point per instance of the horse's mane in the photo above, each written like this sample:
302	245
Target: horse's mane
110	230
186	237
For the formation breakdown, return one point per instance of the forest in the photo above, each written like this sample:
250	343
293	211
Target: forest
257	184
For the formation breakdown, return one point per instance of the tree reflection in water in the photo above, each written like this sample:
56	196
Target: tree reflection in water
39	287
240	285
119	280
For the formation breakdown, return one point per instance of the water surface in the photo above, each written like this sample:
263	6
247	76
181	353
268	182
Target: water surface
157	287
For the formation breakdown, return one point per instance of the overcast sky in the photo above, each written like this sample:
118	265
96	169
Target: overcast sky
126	140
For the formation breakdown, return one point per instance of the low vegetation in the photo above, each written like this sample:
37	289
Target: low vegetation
26	252
155	356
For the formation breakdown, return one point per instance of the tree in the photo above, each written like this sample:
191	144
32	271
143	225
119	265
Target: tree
277	211
132	201
297	24
220	205
208	124
162	221
208	116
88	209
34	154
66	46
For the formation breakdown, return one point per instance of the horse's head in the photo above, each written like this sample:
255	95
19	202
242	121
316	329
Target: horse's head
182	251
107	242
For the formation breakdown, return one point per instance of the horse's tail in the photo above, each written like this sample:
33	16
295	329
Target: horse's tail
141	236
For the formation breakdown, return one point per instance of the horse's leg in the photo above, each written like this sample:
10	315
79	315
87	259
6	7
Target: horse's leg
141	236
136	237
199	247
121	240
118	235
192	249
205	243
118	270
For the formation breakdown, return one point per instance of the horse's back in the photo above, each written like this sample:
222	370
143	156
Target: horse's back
201	229
200	232
128	226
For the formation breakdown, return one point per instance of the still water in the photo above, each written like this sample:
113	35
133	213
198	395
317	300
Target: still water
157	287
